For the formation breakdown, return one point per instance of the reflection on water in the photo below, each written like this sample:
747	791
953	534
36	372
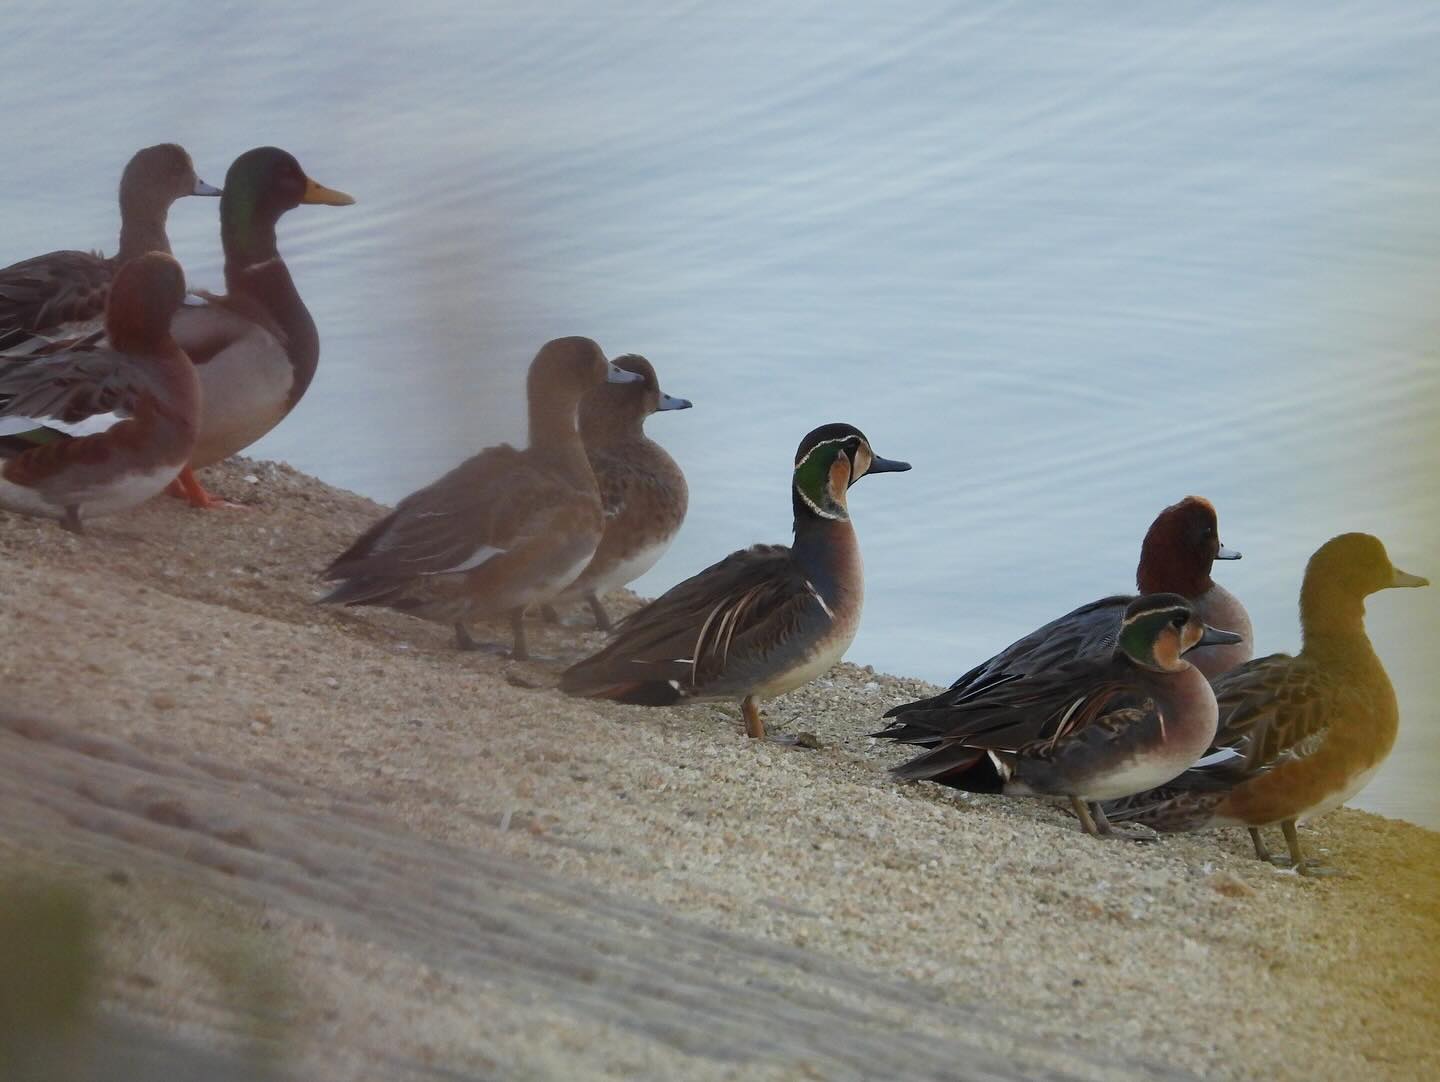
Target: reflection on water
1073	264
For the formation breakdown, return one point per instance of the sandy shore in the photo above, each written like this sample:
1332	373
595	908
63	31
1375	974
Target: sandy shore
374	809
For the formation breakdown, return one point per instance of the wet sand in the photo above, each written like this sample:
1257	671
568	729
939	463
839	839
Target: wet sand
461	873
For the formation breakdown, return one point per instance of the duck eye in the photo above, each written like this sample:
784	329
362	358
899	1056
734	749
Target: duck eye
1179	620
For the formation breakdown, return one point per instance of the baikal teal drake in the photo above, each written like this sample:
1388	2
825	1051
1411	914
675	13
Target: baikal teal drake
1090	729
61	295
1298	736
92	428
642	490
256	347
762	621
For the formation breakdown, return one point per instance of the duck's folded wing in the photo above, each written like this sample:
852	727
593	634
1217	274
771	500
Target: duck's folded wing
1027	713
51	294
489	504
207	324
1091	631
83	388
686	638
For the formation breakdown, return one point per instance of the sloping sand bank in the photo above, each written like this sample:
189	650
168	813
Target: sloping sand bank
461	875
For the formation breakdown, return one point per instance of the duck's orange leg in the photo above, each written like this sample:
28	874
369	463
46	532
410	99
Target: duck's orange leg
187	487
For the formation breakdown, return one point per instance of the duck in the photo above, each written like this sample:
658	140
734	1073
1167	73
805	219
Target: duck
94	428
764	620
1176	556
61	295
1089	729
256	347
1298	735
504	530
642	489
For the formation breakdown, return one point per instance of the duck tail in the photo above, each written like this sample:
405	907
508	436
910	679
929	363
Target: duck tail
958	767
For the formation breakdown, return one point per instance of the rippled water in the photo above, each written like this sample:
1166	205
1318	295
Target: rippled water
1072	262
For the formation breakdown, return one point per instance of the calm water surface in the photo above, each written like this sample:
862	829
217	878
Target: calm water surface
1073	262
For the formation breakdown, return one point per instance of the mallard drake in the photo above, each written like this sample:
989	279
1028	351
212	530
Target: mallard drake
256	347
92	429
62	294
1089	729
1298	735
505	529
1175	557
762	621
642	489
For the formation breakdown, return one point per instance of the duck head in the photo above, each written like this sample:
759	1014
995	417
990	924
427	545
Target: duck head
829	460
159	175
1180	548
260	186
619	409
143	299
1158	629
562	373
1342	573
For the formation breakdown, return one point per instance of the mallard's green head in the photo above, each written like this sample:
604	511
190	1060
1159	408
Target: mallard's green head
263	184
1159	628
830	460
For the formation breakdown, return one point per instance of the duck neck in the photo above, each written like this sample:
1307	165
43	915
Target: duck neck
1332	621
142	226
827	551
1163	570
608	418
554	434
254	269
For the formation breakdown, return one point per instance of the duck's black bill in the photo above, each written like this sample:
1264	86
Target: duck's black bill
887	465
1404	578
1215	637
670	402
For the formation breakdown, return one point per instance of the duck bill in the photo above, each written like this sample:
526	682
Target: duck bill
315	192
1404	578
621	375
201	188
670	402
1215	637
887	465
1226	554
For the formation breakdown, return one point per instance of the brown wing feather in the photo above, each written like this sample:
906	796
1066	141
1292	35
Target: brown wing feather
74	383
40	295
743	606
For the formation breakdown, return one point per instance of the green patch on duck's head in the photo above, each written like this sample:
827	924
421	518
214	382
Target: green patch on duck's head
1155	628
261	185
829	460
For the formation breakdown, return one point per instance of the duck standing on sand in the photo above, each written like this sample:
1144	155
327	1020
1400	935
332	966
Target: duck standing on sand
1176	557
62	294
1089	729
256	347
642	490
762	621
502	531
93	429
1298	735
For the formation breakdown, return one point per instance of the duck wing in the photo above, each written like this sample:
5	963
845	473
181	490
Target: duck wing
491	505
707	634
49	295
209	323
78	387
1091	631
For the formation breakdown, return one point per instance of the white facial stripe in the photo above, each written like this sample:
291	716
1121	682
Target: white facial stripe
811	504
1174	610
822	443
